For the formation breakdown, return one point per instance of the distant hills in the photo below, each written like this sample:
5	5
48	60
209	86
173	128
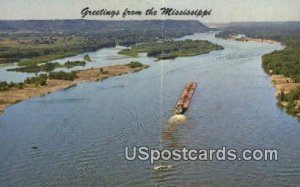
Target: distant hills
95	26
45	40
262	29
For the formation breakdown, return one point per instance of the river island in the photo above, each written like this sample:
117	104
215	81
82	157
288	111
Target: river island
172	49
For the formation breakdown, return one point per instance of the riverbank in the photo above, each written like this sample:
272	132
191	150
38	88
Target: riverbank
286	90
282	68
15	95
250	39
283	84
286	87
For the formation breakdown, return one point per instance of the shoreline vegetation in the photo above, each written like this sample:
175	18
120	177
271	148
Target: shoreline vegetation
283	66
172	49
11	93
287	91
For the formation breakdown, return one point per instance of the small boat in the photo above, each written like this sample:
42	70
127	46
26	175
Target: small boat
184	101
162	167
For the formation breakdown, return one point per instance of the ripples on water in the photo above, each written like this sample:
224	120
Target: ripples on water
79	134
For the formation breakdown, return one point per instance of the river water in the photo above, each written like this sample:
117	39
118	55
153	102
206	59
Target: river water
77	137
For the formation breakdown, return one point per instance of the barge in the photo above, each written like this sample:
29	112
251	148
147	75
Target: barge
184	101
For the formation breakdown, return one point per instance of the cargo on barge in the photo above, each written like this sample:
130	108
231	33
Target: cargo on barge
184	101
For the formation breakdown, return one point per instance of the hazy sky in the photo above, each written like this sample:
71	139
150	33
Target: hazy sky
222	10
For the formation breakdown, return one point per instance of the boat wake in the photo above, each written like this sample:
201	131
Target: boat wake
177	119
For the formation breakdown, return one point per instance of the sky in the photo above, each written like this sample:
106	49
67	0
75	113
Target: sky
223	11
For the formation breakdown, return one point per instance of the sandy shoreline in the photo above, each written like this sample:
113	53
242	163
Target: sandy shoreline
14	95
284	85
250	39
